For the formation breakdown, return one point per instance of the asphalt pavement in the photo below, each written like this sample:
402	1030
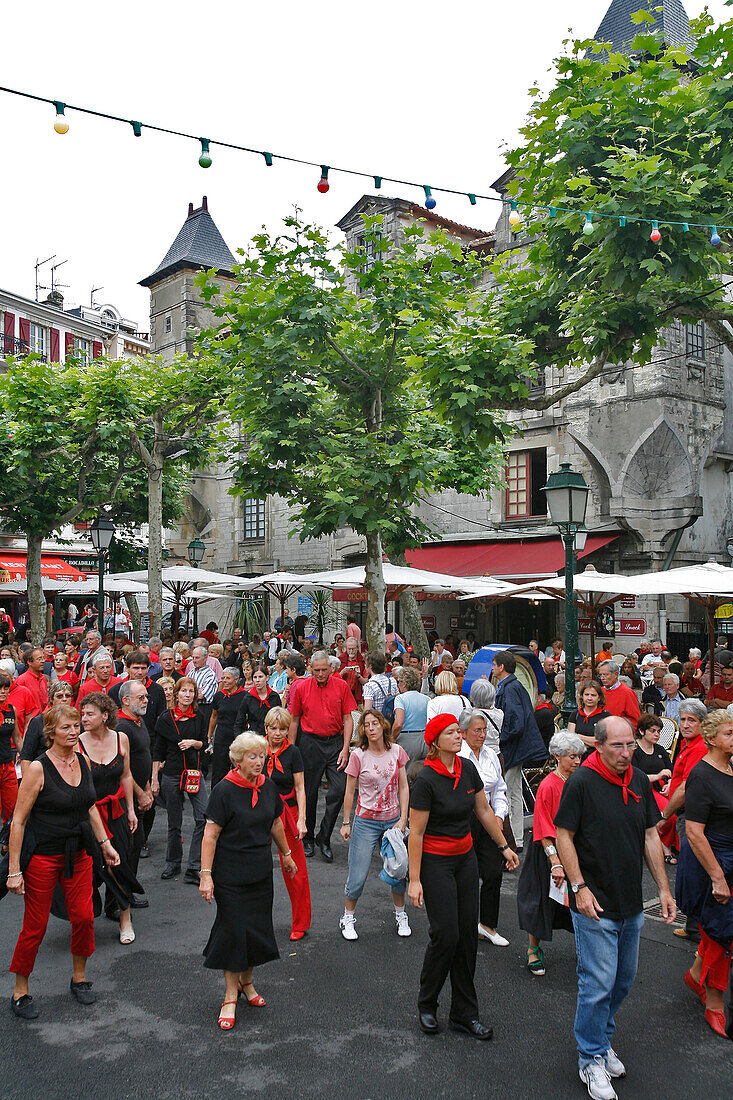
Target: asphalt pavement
341	1018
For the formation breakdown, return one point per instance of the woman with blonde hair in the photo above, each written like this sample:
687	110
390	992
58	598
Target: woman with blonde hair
447	699
284	766
244	814
378	766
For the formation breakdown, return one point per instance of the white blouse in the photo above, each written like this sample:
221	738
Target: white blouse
489	769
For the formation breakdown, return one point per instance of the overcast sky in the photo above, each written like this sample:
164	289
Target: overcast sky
426	91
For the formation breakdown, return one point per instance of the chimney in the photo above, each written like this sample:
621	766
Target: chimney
55	299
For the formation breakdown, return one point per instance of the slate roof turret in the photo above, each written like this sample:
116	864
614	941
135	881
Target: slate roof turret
199	245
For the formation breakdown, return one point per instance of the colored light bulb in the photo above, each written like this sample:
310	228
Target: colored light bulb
323	184
205	158
714	237
655	234
430	202
60	125
588	227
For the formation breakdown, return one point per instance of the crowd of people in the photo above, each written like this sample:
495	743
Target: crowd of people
421	762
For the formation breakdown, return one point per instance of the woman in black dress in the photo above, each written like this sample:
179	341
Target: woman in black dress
444	873
224	708
591	708
178	746
244	814
108	755
256	701
57	795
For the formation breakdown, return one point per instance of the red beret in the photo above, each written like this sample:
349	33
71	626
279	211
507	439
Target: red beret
436	726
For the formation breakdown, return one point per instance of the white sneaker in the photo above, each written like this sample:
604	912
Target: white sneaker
614	1065
492	937
595	1076
403	924
346	924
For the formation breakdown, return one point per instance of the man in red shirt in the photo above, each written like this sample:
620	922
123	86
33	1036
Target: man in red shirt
621	700
323	704
35	682
691	685
101	678
720	695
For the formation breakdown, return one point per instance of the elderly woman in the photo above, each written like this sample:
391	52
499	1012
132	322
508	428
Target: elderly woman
57	795
224	708
378	766
410	715
558	696
444	874
447	698
279	677
178	745
243	815
705	872
9	740
483	694
34	741
540	914
472	725
167	683
107	752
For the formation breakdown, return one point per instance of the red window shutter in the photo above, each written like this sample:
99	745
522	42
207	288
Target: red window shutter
69	343
24	326
54	345
97	349
9	334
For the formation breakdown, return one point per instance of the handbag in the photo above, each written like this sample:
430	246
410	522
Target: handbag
190	777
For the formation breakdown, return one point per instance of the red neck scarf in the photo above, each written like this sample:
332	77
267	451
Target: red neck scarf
589	714
131	717
596	764
239	781
438	766
255	692
228	694
178	713
272	757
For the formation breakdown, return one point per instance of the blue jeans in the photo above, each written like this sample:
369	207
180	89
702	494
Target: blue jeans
608	954
366	835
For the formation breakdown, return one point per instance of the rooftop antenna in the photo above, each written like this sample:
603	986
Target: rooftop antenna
38	265
91	296
54	267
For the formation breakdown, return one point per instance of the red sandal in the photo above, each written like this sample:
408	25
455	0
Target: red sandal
257	1001
224	1022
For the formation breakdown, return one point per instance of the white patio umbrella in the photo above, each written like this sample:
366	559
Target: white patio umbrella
282	585
177	579
401	577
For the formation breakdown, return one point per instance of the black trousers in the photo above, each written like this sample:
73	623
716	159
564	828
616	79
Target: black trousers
320	754
450	891
220	762
490	868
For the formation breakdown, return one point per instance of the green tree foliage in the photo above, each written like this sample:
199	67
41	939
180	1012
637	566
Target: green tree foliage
362	387
644	133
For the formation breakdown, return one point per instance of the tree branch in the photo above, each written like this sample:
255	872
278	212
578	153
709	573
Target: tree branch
549	399
346	358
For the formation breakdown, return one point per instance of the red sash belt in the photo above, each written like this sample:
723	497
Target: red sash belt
111	806
447	845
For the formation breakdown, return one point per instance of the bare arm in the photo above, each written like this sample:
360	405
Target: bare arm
418	825
28	792
212	725
127	783
585	900
491	824
676	802
208	851
398	722
299	781
348	730
654	856
348	803
17	737
704	854
277	832
404	795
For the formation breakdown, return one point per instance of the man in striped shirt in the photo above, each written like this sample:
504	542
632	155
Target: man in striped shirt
205	678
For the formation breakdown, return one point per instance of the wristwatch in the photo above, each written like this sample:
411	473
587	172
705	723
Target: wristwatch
575	886
550	850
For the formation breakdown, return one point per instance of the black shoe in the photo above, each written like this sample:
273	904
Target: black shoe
144	852
308	848
325	849
138	902
429	1023
83	992
24	1007
473	1027
112	914
171	871
192	877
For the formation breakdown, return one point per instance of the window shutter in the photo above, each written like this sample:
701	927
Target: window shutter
54	345
97	349
68	343
24	326
9	333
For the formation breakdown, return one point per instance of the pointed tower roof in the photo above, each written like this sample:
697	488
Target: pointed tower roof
670	18
199	245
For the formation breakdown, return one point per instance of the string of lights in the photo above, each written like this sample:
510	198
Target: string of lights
205	159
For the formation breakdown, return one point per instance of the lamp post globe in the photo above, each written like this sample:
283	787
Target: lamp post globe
195	550
566	493
101	532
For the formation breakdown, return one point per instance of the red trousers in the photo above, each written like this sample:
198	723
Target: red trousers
8	790
298	888
41	876
715	962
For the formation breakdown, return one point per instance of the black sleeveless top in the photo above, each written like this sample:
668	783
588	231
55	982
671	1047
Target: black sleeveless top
106	777
7	728
61	809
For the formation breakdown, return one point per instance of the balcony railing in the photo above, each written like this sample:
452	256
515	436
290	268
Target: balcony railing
10	346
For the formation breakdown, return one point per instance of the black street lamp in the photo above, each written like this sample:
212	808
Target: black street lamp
195	550
567	499
102	532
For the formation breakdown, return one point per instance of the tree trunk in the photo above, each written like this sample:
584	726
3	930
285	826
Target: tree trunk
155	534
36	600
376	592
134	610
413	625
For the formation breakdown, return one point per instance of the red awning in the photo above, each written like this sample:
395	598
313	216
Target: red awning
51	566
510	559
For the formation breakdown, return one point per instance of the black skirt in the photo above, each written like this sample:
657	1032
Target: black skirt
538	913
242	935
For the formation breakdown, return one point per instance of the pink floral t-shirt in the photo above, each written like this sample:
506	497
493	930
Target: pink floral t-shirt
378	776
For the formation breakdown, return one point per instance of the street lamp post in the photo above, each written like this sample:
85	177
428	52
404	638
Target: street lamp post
195	550
101	532
567	499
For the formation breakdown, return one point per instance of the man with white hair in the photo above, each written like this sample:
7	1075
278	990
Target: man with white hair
93	641
167	658
621	700
655	657
102	676
672	696
133	702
